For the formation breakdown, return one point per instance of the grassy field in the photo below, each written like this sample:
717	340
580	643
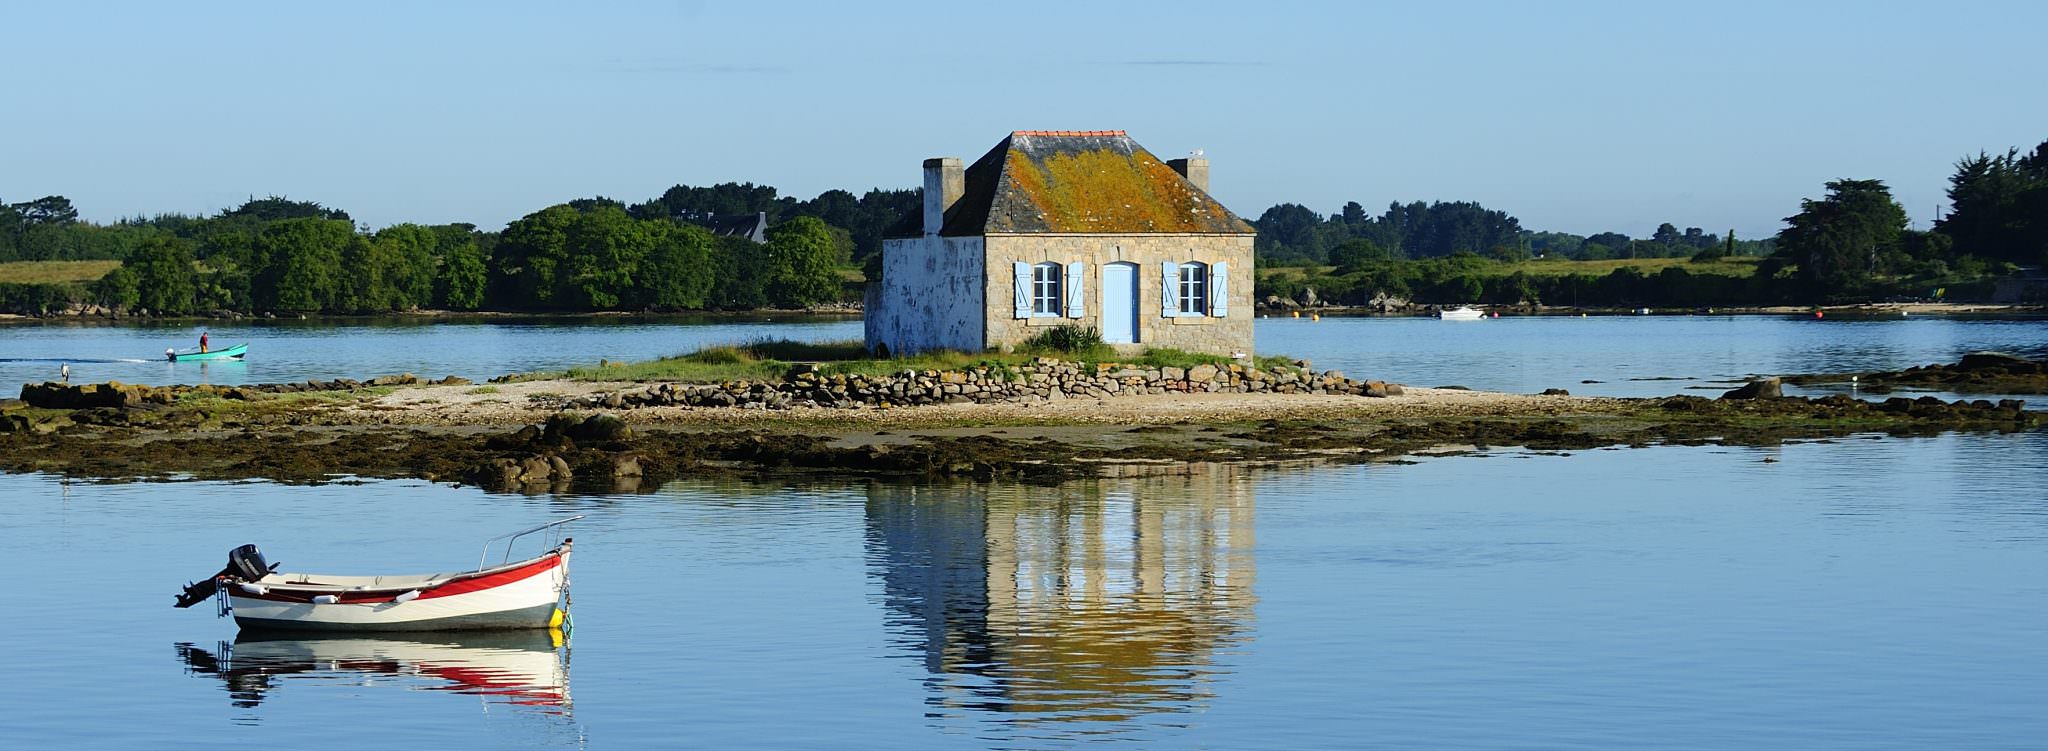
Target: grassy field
770	360
47	272
1737	266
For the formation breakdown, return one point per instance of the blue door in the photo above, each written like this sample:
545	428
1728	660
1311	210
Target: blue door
1120	303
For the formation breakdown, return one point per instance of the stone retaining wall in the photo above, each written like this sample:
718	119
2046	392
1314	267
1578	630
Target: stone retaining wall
1044	379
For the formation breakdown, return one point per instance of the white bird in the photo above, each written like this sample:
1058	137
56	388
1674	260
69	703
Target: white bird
1238	355
1196	152
66	371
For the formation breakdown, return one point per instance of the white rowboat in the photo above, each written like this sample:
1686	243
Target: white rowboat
525	594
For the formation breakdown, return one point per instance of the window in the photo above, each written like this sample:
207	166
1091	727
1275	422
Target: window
1194	289
1045	289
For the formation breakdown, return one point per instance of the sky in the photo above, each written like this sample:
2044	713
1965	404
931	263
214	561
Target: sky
1573	116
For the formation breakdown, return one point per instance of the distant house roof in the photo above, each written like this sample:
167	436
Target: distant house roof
754	227
1065	181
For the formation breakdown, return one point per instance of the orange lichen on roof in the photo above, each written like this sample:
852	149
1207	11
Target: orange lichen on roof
1066	133
1101	190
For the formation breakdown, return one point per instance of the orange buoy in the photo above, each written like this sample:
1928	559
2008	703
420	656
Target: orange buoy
1820	314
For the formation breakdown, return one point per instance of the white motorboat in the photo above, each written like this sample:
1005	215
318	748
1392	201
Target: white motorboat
525	594
1462	313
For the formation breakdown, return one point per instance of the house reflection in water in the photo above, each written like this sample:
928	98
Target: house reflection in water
1101	600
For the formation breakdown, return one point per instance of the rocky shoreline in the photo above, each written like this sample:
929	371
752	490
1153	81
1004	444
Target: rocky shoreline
508	439
1975	373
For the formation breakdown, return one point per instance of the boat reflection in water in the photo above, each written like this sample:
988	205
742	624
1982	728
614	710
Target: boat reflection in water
1068	610
527	670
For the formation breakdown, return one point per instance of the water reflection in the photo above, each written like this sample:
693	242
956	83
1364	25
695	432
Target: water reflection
1069	607
528	670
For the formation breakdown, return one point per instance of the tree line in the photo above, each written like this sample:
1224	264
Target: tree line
277	255
280	255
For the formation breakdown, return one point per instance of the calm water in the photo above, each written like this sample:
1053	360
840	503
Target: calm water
1628	355
1860	594
1853	594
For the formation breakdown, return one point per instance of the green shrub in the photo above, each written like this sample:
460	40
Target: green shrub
1065	339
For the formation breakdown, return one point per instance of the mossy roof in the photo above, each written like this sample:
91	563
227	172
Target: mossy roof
1078	182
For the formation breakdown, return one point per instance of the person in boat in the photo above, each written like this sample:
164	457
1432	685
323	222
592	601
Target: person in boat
202	342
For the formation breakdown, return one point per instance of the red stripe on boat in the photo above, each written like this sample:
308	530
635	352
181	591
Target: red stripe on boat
453	587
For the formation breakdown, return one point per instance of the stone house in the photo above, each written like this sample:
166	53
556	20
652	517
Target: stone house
1084	228
753	228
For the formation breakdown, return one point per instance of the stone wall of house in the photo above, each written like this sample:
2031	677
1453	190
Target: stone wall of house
1227	335
930	296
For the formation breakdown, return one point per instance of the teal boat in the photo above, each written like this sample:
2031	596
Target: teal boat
232	353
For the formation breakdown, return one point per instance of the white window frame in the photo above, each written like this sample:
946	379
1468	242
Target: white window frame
1193	288
1048	290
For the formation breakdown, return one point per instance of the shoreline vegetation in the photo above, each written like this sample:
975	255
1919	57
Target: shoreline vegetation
737	246
1034	418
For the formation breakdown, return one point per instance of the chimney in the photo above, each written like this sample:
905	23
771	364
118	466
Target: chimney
944	182
1195	169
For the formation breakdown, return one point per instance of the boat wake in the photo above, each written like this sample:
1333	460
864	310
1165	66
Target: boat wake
73	359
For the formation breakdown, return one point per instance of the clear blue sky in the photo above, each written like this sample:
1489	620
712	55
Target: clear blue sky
1574	116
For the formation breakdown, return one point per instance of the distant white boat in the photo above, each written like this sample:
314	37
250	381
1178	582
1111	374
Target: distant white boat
1462	313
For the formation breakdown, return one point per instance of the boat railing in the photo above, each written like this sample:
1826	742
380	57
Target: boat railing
513	537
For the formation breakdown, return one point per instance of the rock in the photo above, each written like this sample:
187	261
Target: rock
626	465
447	381
535	469
1394	389
1377	389
1172	373
1202	373
559	468
1556	392
1762	388
1997	361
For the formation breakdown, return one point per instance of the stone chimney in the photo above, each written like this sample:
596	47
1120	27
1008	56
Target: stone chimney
944	182
1195	169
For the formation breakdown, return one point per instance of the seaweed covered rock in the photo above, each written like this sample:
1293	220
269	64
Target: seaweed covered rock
1761	388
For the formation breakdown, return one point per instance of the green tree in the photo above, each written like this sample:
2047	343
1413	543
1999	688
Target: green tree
530	262
299	264
1357	253
605	248
1837	241
120	289
1999	206
409	251
801	268
164	277
740	278
463	277
679	268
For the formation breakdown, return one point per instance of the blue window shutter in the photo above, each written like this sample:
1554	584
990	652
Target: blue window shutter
1023	284
1169	289
1219	289
1076	298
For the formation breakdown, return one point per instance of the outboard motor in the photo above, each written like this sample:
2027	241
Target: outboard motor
245	563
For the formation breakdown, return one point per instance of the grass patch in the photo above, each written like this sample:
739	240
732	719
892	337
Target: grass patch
52	272
482	390
772	359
